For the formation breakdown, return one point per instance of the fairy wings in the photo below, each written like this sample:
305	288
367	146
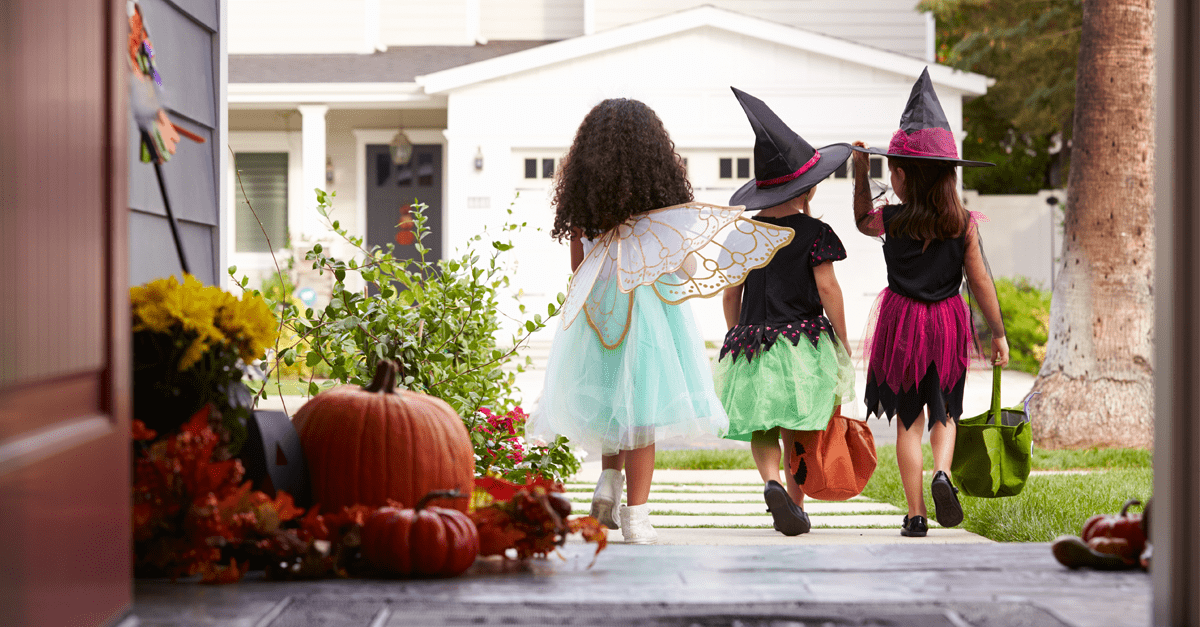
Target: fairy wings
683	251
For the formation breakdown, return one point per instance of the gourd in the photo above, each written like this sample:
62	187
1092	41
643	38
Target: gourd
423	541
368	445
1122	535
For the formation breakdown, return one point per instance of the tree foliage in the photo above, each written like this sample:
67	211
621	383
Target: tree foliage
1023	123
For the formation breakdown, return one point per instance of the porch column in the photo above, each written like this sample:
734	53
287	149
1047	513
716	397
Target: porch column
312	159
1176	515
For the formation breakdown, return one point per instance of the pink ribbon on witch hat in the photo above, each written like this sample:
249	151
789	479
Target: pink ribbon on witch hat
789	177
925	142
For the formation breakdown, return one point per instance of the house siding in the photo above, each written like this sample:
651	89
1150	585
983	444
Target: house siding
531	19
424	23
893	25
187	54
295	26
823	98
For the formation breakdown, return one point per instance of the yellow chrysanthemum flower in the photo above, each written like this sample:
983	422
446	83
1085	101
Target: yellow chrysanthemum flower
212	318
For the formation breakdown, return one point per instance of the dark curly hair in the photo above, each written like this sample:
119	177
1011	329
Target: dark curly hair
621	163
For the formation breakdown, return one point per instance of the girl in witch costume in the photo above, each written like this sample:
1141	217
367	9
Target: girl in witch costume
919	349
628	369
785	366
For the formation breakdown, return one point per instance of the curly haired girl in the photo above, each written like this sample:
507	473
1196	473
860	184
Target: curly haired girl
636	374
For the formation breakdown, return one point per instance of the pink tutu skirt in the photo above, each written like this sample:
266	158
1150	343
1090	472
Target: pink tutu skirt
918	354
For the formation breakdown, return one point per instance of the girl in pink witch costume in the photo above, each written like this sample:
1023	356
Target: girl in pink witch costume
627	368
919	349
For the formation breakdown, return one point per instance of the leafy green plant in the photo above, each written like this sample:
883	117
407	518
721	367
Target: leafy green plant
279	288
438	319
1026	322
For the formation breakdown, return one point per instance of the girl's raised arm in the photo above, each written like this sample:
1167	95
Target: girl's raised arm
831	300
862	194
985	294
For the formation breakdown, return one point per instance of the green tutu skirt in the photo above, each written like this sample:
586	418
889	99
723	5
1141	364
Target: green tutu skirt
791	386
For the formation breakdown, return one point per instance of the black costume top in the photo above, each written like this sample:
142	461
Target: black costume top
781	298
925	273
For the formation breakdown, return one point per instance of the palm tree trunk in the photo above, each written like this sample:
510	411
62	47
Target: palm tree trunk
1097	381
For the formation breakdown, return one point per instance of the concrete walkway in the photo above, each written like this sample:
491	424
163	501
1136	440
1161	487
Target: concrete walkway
726	507
904	585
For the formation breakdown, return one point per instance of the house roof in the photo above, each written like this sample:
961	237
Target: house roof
400	64
700	17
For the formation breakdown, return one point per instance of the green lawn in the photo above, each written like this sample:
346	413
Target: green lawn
291	387
1107	458
1049	506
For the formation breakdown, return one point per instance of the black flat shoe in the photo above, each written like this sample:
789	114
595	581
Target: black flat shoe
790	520
915	527
948	510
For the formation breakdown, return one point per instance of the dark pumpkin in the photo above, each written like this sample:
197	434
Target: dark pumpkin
424	541
367	445
1125	526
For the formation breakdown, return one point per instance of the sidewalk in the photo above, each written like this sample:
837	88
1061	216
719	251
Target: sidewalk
908	585
726	507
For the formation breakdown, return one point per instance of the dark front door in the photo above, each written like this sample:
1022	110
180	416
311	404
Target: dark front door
393	190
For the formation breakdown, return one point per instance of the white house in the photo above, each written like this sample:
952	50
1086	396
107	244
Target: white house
491	92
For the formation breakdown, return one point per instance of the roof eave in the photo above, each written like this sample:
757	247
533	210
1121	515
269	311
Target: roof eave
969	83
336	95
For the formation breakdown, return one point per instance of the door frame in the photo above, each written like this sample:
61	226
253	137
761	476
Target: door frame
428	136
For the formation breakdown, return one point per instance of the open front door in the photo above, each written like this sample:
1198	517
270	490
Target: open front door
64	320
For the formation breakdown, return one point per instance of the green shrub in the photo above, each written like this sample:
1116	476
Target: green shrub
437	319
1026	310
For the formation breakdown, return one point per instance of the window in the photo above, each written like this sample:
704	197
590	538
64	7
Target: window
840	172
876	167
264	177
531	168
725	167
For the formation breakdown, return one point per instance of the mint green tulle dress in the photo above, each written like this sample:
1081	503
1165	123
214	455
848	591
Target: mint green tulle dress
627	367
782	365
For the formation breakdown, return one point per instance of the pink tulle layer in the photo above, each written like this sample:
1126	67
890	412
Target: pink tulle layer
904	336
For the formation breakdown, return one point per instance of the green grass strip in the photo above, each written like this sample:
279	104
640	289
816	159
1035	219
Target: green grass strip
815	527
670	512
1049	506
1094	458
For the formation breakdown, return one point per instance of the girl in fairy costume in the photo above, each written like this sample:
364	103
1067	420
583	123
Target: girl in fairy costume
919	349
627	369
785	365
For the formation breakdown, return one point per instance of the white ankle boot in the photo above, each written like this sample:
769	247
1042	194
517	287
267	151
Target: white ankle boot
635	524
607	497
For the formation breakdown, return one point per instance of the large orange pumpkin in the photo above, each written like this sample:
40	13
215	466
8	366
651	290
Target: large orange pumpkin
423	541
368	445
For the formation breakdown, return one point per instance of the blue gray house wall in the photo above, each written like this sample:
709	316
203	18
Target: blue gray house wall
187	38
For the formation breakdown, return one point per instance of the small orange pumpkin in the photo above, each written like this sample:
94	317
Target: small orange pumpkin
368	445
423	541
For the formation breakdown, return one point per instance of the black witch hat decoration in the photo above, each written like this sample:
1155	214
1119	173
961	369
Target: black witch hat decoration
785	165
924	131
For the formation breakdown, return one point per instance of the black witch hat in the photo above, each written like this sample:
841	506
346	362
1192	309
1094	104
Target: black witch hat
785	165
924	131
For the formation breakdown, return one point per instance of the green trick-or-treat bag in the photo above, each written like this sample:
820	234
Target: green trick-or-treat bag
992	450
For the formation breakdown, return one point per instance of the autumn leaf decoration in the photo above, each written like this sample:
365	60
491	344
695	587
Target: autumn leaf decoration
192	515
532	518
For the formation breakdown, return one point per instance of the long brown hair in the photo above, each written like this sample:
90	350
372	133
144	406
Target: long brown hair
621	163
933	209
